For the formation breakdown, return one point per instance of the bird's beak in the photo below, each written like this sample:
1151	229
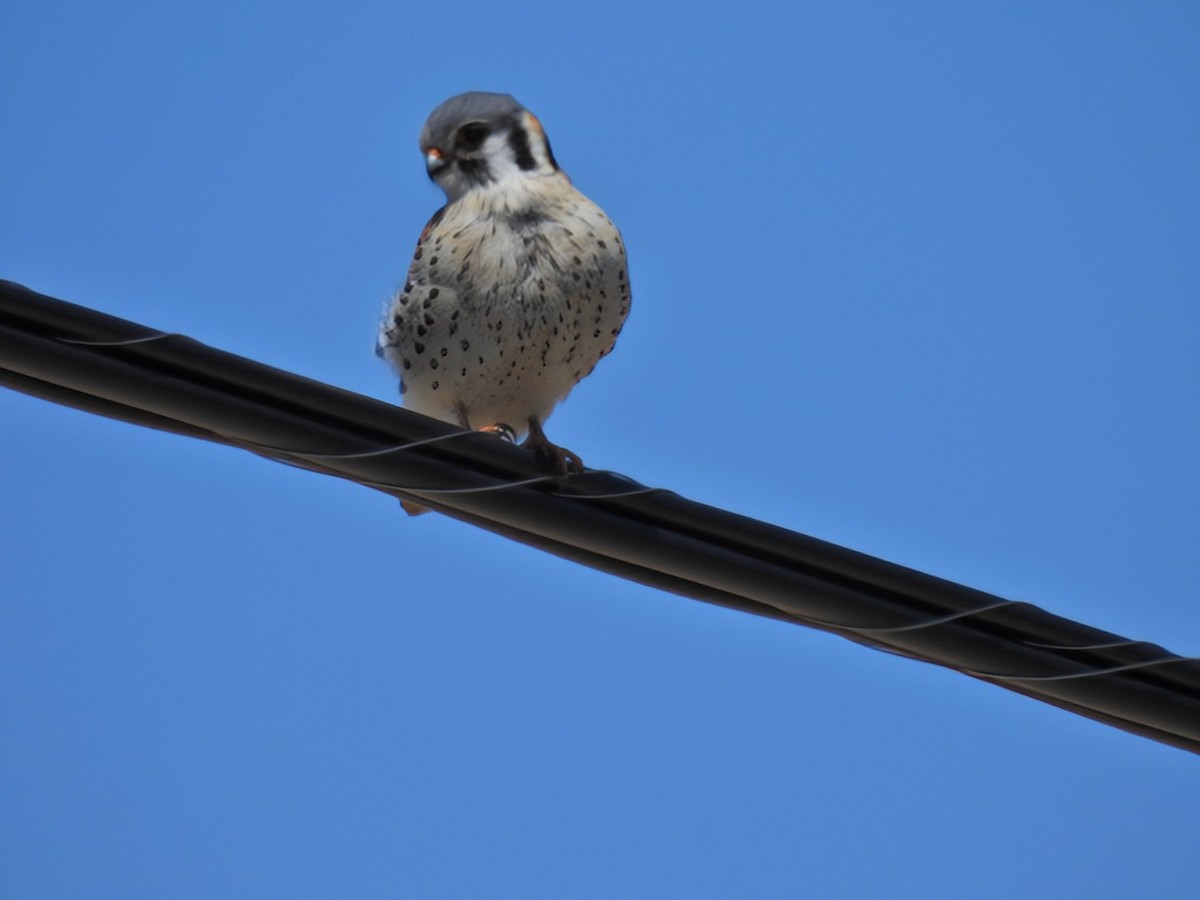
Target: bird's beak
434	160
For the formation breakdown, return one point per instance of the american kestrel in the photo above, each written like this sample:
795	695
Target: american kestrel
518	285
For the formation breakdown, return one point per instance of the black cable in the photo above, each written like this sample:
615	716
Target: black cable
94	362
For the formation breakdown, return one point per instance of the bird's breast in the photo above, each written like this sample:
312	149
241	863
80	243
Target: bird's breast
507	306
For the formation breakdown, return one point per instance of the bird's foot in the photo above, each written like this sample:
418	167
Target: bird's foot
560	459
502	431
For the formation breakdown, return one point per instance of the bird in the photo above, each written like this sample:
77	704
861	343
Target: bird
518	285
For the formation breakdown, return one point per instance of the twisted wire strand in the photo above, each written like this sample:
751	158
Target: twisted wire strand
1111	645
640	491
367	454
936	620
158	336
504	485
1075	676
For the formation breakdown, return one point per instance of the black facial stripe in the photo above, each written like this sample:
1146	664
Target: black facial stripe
475	171
518	141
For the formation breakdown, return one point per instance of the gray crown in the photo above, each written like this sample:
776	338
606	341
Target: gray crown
475	106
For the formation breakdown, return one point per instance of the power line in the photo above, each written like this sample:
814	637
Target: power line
85	359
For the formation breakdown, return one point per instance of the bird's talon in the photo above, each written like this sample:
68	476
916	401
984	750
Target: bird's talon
561	460
571	463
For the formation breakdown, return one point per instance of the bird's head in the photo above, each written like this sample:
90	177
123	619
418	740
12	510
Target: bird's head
478	139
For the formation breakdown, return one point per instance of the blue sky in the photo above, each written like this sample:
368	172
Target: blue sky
920	279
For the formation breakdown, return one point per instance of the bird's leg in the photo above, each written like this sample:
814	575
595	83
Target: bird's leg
460	410
562	460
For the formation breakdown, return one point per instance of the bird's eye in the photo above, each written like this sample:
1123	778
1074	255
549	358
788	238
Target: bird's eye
471	136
